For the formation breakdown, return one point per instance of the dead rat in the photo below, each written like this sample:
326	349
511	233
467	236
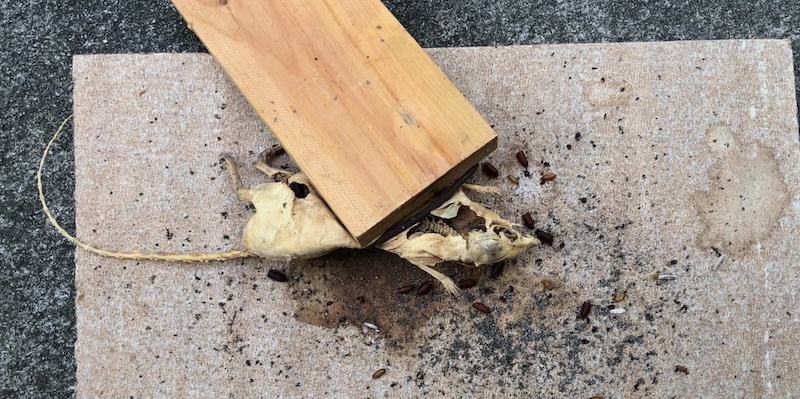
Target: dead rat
292	222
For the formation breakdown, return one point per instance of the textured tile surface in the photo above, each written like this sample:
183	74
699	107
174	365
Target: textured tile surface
37	293
672	159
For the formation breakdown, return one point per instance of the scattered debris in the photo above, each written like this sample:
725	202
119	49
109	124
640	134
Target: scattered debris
717	262
378	374
550	285
277	276
619	296
497	269
490	170
425	288
585	309
467	283
544	237
666	277
549	176
481	307
522	159
681	369
528	220
371	326
405	289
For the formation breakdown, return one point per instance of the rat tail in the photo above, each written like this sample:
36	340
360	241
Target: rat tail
208	257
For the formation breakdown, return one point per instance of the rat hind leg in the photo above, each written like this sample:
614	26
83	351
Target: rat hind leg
447	282
481	189
243	193
263	164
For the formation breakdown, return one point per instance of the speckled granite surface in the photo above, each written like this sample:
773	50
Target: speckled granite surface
677	184
37	320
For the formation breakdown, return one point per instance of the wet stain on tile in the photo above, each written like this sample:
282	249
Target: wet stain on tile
746	197
352	287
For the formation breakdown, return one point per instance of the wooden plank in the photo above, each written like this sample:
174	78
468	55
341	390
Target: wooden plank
363	110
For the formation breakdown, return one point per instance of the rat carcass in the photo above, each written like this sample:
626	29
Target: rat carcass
291	221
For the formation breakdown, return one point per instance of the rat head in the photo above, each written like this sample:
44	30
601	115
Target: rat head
497	243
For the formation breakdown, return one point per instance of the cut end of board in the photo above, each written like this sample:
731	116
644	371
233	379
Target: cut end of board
362	109
435	191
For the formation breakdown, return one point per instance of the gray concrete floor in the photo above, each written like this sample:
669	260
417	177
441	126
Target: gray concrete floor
37	319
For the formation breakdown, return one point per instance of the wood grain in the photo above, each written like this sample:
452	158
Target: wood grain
363	110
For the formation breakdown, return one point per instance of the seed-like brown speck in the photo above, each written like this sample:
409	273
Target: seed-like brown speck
544	237
481	307
425	288
490	170
548	177
405	289
277	276
597	397
528	220
585	309
467	283
513	179
681	369
522	159
378	374
497	269
619	296
550	284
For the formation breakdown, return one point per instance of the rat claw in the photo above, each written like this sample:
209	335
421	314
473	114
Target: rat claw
447	282
263	164
482	189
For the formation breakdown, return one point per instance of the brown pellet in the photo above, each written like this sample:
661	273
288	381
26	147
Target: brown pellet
513	179
681	369
378	374
277	276
405	289
550	285
467	283
490	170
481	307
585	309
619	296
548	177
497	269
544	237
425	288
528	220
522	159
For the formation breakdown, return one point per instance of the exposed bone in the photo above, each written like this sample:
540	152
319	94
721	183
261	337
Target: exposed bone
495	240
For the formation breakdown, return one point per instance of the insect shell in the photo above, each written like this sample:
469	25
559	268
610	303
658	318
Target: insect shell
586	307
481	307
378	374
522	159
